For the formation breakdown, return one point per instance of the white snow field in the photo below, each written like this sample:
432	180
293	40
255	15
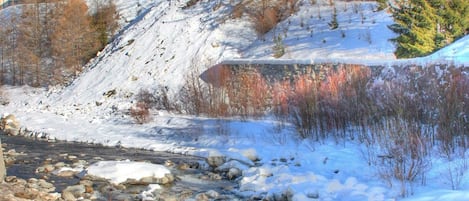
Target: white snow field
160	44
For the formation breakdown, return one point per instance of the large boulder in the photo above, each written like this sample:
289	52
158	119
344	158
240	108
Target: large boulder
10	125
3	171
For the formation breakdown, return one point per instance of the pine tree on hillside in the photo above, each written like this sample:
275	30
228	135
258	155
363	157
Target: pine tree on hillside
334	24
457	18
417	28
441	37
425	26
382	4
452	20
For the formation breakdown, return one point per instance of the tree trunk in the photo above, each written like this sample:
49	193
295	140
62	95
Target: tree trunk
2	164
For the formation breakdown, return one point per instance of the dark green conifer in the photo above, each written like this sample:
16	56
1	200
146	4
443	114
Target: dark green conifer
425	26
416	27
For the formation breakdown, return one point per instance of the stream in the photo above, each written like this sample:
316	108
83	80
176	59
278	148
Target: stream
36	153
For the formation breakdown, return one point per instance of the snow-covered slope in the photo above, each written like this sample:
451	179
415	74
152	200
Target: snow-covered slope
162	43
159	48
457	53
362	34
165	43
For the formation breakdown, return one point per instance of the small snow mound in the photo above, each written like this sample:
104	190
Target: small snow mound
120	171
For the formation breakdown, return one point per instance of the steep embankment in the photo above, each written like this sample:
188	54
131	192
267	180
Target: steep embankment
165	43
157	49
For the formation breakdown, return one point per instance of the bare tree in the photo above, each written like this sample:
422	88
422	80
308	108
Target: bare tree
104	20
2	53
30	43
12	49
73	39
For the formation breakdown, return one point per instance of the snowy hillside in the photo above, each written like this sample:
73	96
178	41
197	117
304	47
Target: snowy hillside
161	43
165	43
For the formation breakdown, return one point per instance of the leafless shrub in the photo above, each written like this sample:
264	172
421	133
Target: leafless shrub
156	99
455	172
146	97
265	19
199	98
400	118
304	106
265	14
238	10
453	122
405	151
193	96
140	112
249	94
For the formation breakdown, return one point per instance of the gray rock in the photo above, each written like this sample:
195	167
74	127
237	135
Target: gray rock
59	165
234	173
313	195
77	190
40	169
88	185
216	161
123	197
3	171
68	196
72	157
10	125
214	176
49	168
212	194
48	187
201	197
66	173
168	178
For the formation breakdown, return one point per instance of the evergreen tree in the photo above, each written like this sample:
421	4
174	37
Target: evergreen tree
417	28
457	18
334	24
425	26
441	38
452	20
382	4
279	47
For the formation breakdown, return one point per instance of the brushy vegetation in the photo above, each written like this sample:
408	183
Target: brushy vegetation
401	114
50	41
140	112
265	14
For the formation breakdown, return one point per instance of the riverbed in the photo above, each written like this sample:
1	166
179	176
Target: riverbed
195	178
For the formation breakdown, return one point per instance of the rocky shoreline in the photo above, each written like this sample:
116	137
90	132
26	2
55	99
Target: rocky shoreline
62	176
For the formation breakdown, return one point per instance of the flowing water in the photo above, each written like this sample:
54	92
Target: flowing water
37	152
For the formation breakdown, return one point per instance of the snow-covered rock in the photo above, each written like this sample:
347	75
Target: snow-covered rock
10	125
127	171
215	159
